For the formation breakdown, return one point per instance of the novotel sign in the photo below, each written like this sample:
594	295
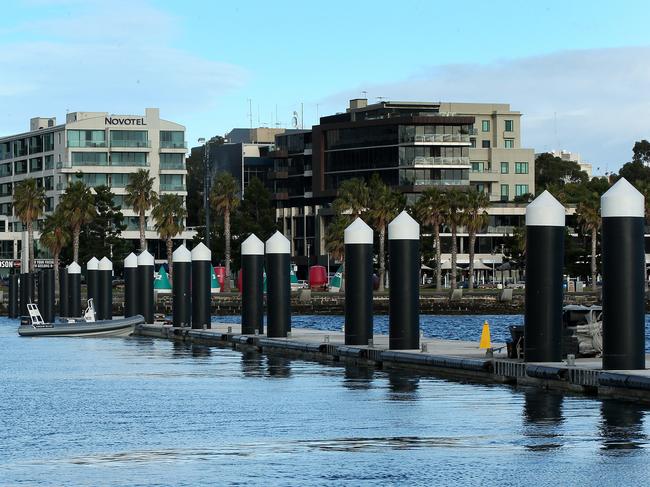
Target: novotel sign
124	121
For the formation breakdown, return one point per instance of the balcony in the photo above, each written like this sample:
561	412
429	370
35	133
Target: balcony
425	161
501	229
436	139
85	144
166	144
434	182
480	176
174	166
172	187
131	144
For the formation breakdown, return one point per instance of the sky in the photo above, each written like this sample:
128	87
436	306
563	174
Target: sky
577	70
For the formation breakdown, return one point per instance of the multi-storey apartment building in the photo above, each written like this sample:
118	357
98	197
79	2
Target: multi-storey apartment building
102	148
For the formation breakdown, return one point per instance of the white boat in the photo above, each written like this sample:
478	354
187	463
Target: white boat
86	327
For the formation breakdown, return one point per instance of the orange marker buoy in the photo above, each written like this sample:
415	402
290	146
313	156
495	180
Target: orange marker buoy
485	337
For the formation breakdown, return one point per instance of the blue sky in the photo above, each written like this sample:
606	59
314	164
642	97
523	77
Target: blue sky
577	70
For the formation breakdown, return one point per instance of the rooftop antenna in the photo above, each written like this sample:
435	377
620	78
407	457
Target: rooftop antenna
277	122
365	94
294	120
302	116
250	112
380	98
258	114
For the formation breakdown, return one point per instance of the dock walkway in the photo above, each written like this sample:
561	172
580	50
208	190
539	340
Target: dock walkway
447	358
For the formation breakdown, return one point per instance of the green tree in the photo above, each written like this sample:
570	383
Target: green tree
78	205
29	201
383	206
551	170
476	219
456	205
141	197
334	233
195	179
588	215
431	210
636	172
55	237
641	152
169	215
352	197
224	200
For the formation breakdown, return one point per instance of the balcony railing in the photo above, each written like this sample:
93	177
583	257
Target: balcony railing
172	187
85	143
143	144
434	182
172	165
173	145
436	138
436	161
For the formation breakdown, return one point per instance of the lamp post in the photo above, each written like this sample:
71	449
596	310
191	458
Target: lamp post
206	188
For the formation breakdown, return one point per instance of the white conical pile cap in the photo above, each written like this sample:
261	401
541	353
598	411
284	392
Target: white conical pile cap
105	264
74	268
201	252
252	246
182	254
92	264
278	244
358	232
145	258
622	199
404	227
545	211
131	261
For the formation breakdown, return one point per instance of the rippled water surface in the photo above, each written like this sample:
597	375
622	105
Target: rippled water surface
138	411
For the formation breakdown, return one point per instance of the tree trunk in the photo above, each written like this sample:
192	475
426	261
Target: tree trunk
75	243
56	273
226	234
454	256
472	242
594	236
382	257
143	240
170	246
436	242
30	246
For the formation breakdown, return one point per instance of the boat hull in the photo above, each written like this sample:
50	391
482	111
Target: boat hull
108	328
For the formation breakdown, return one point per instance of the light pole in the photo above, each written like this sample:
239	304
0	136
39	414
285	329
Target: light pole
206	189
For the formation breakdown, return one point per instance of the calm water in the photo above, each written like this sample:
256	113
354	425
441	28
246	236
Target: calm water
137	411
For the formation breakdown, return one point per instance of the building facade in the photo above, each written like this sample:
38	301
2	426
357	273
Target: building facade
102	149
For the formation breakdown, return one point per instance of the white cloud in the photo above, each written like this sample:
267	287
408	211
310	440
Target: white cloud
599	97
113	56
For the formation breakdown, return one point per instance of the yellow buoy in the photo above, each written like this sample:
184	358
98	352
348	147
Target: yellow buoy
485	337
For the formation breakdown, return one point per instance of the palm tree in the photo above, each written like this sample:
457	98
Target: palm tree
456	204
29	201
334	244
588	213
476	218
169	215
352	197
383	205
225	198
78	206
55	237
141	197
431	210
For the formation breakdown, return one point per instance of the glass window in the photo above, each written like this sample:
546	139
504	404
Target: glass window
49	182
86	138
504	168
20	148
521	168
485	144
49	204
172	161
94	179
480	187
5	169
35	164
472	142
5	150
504	192
35	144
119	180
129	138
20	167
48	142
509	126
485	125
129	158
521	189
171	182
172	139
509	143
49	162
89	159
478	166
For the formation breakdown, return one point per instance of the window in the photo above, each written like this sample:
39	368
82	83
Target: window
48	142
478	166
128	159
485	125
171	182
49	204
49	162
480	187
521	168
172	161
35	164
89	159
521	189
509	143
509	126
485	144
129	138
172	139
94	179
20	167
5	169
472	142
119	180
504	168
504	192
20	148
35	144
5	150
86	138
49	183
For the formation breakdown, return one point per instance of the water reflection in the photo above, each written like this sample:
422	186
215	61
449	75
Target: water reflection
543	418
201	351
621	426
278	366
358	377
181	349
402	385
252	363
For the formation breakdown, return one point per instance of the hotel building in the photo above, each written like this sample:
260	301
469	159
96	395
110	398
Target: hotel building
104	149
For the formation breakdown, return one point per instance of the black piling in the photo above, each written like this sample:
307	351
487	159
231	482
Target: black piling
145	285
544	267
49	291
622	211
74	290
26	292
252	296
92	279
131	285
404	296
63	293
358	238
201	297
14	293
104	305
181	285
278	286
